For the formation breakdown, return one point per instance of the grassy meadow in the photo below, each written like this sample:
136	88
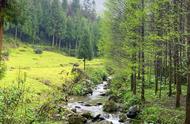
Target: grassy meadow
44	72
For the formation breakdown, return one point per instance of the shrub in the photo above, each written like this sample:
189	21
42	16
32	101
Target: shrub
38	51
150	114
14	107
2	69
5	53
155	114
133	100
96	75
77	89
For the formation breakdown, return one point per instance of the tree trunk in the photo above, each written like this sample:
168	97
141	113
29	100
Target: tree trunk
134	83
156	75
53	41
142	55
59	44
176	54
170	70
187	120
84	64
139	66
16	32
1	37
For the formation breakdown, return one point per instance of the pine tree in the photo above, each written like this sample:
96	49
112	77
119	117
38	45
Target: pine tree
85	51
9	10
187	120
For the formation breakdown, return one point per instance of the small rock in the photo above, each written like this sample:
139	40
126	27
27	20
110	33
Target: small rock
122	118
103	94
76	65
74	110
78	107
87	105
46	82
98	118
80	102
98	104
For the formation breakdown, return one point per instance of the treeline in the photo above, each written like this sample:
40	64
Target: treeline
148	40
59	23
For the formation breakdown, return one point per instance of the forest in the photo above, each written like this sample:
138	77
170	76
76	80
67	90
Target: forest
65	62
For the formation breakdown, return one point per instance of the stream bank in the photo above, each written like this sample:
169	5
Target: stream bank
92	108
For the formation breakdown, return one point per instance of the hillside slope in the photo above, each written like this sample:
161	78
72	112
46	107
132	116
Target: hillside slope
42	70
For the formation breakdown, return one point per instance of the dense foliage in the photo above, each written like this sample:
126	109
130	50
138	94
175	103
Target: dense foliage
145	41
66	25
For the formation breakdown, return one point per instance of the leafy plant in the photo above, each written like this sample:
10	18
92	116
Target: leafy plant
13	104
96	75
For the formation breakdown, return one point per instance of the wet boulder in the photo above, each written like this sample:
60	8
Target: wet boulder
77	107
98	104
133	112
103	94
88	90
114	98
103	122
110	106
87	105
76	119
105	78
87	115
98	117
122	118
74	110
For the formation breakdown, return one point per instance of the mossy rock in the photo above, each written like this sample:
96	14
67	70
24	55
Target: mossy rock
76	119
110	106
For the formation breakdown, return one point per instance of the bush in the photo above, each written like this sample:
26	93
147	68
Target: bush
132	100
38	51
96	75
14	108
5	53
155	114
82	88
2	69
150	114
77	89
119	85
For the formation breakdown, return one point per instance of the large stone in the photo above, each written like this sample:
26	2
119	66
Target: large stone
87	115
76	119
110	106
98	117
133	112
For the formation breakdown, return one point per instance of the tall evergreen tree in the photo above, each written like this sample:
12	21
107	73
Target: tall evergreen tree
85	46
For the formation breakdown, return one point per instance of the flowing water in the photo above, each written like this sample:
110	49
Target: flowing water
93	103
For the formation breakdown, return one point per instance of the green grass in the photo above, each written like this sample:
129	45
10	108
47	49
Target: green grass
50	67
